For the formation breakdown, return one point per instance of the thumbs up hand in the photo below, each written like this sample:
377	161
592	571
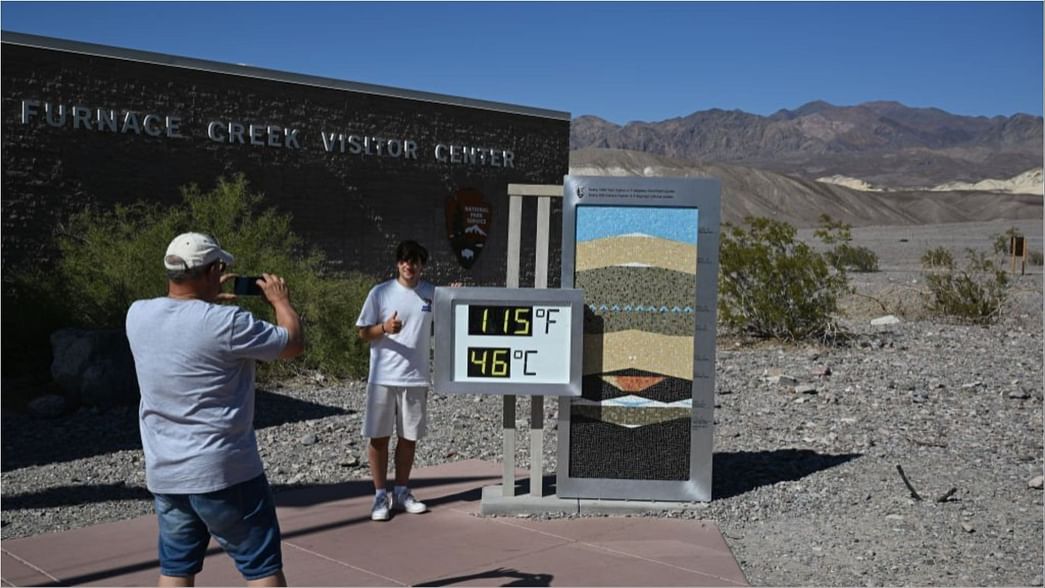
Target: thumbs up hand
393	325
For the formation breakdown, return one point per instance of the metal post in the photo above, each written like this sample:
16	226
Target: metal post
511	281
537	402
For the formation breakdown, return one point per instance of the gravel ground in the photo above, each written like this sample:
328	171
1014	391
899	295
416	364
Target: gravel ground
806	487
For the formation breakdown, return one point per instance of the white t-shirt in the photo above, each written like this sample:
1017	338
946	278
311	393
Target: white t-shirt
195	364
400	359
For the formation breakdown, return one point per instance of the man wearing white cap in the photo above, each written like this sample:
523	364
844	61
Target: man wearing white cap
195	362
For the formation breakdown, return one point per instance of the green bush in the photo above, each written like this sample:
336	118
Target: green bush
1036	258
939	257
1002	241
772	286
111	258
973	293
844	256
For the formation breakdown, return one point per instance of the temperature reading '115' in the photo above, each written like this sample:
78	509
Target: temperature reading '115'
512	321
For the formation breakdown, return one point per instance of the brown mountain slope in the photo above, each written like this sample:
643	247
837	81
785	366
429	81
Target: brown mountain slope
753	192
885	143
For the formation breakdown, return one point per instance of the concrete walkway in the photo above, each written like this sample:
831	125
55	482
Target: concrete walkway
329	540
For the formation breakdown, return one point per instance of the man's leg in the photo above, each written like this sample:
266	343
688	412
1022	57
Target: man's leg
377	454
277	579
404	460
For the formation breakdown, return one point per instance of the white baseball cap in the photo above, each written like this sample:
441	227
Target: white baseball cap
192	250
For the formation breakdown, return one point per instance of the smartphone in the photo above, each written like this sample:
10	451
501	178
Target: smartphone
247	286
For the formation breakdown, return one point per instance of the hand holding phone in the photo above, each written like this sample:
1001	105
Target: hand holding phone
246	286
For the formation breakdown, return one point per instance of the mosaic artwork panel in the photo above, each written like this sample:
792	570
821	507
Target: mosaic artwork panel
637	267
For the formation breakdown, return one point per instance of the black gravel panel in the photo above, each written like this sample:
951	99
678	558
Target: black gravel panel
653	452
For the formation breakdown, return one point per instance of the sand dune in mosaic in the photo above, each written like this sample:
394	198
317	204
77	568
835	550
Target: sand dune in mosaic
642	298
663	354
636	250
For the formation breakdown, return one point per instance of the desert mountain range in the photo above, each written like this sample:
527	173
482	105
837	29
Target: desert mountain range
884	144
748	191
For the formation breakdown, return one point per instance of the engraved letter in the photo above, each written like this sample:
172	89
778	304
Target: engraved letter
106	120
292	138
81	116
151	123
130	121
212	131
172	126
49	111
29	110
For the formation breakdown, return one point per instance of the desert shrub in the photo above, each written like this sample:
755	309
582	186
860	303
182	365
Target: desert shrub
973	293
939	257
771	285
111	258
844	256
1001	241
1036	258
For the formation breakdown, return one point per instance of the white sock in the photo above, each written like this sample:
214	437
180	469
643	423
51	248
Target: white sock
401	490
381	493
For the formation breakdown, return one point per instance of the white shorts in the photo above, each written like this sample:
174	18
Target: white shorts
401	406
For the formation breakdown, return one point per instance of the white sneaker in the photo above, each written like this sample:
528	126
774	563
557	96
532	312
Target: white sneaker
382	509
407	503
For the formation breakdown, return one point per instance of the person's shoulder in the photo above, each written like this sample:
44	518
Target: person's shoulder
383	286
426	287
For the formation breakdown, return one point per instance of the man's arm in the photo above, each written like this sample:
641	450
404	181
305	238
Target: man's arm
389	326
277	294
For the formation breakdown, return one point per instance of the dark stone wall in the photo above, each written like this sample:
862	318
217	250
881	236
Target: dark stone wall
354	207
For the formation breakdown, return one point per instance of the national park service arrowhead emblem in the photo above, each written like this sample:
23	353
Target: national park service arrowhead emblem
467	224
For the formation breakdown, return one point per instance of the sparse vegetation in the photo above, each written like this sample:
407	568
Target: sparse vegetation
771	285
1036	258
1002	241
111	258
844	256
938	258
973	293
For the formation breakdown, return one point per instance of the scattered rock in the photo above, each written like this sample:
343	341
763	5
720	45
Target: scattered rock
885	320
1036	482
1019	394
805	389
968	528
309	439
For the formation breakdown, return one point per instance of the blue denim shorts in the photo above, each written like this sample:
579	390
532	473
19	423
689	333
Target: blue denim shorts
242	518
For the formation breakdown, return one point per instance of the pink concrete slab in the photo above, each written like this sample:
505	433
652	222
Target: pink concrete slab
17	572
410	548
576	565
693	545
92	554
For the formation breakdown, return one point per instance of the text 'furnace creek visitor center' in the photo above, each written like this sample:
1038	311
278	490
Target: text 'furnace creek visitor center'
359	167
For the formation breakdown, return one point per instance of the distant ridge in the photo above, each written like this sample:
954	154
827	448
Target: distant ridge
754	192
883	143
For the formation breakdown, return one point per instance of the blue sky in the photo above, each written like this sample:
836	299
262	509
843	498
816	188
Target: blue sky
621	61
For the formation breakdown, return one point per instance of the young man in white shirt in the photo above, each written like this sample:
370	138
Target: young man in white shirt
396	320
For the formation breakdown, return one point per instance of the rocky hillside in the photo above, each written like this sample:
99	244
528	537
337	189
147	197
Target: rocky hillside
755	192
883	143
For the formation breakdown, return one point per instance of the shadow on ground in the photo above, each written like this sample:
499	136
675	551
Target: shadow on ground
743	471
28	441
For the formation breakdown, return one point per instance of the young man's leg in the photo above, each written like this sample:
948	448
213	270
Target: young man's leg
411	423
377	455
377	427
404	460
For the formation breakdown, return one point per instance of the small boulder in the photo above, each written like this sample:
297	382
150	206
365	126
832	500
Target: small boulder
1036	482
885	320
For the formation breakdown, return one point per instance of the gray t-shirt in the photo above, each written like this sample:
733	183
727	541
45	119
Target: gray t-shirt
195	364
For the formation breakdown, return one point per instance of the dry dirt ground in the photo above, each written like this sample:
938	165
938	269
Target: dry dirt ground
806	488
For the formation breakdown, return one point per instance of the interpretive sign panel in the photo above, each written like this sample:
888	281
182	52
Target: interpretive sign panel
645	253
